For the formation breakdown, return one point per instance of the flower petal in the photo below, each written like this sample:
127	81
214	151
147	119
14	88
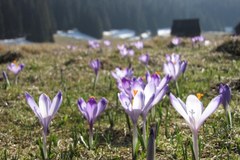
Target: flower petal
57	101
194	108
149	91
44	105
33	105
212	106
179	106
125	101
101	105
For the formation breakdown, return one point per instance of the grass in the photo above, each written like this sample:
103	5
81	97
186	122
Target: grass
52	67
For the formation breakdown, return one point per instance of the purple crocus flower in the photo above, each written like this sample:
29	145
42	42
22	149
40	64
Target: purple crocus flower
194	114
46	109
121	47
107	43
93	44
136	103
174	66
119	73
198	39
144	58
91	110
45	112
176	41
139	45
15	68
95	65
225	92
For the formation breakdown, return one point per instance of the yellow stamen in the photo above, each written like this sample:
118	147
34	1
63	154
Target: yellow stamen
92	97
199	95
157	72
135	92
15	62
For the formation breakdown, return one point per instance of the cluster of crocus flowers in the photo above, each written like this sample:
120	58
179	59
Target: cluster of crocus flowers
194	114
174	66
45	111
120	73
71	47
144	59
197	39
225	91
138	97
91	110
138	45
93	44
125	51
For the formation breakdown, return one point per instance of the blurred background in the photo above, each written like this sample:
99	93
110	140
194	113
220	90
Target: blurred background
39	20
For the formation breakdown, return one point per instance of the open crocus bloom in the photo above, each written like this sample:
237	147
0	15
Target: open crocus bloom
139	102
46	109
91	110
193	111
15	68
95	65
174	66
119	73
161	86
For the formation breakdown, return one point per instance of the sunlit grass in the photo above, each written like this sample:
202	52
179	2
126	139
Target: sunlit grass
52	67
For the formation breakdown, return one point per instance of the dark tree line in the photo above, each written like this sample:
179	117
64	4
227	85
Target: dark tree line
39	19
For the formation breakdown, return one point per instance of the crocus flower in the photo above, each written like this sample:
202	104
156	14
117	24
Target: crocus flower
95	65
225	91
174	66
134	105
139	45
194	114
91	110
119	73
176	41
107	43
45	112
144	58
198	39
15	68
93	44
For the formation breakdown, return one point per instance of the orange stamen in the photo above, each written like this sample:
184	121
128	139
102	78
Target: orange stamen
92	97
135	92
157	72
199	95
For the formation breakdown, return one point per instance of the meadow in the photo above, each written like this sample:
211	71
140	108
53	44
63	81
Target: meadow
53	67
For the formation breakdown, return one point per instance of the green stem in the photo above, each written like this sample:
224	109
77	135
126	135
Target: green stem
95	82
151	148
195	145
177	88
16	79
229	116
45	145
134	141
144	130
90	136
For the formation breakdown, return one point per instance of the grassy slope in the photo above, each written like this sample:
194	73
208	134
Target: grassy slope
52	67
